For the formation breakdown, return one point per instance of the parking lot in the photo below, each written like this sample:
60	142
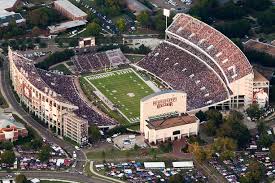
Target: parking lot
137	172
175	4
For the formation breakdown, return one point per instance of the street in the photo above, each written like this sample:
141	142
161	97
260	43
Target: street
45	133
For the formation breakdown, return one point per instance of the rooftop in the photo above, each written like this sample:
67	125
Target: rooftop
171	122
6	17
71	8
258	77
66	25
260	46
8	120
7	4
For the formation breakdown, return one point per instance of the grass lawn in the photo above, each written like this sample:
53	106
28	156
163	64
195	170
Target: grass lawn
3	102
115	154
124	88
62	68
70	63
134	58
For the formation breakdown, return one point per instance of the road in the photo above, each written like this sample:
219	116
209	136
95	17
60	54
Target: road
8	94
56	175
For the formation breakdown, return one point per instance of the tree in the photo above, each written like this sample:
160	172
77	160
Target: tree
210	128
36	143
44	153
176	178
255	172
8	157
103	155
144	19
94	133
121	24
160	22
254	111
93	29
153	153
225	146
21	179
272	151
234	128
265	140
257	5
215	116
197	151
201	115
237	28
7	145
204	10
43	17
230	11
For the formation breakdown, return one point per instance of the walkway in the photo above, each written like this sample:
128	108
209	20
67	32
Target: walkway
102	176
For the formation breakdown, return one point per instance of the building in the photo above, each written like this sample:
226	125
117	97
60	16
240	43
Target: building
43	101
6	17
9	5
137	7
55	29
260	46
69	10
260	89
86	42
10	130
163	117
202	62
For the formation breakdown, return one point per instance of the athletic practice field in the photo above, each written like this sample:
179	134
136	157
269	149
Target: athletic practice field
124	88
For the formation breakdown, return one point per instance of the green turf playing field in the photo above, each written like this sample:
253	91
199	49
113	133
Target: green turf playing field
124	88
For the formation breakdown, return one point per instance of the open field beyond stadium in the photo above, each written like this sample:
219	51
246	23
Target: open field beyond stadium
124	88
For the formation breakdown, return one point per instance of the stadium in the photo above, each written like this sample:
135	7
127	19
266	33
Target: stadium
199	62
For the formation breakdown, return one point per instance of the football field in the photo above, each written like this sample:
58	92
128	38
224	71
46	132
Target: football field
123	88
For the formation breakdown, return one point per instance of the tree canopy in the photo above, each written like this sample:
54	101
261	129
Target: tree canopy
8	157
44	16
21	179
93	29
44	153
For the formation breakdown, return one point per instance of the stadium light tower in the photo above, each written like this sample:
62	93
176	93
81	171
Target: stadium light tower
166	13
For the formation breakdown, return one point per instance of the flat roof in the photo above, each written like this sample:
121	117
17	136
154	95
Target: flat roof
66	25
260	46
171	122
6	17
154	165
183	164
136	6
8	120
7	4
258	77
71	8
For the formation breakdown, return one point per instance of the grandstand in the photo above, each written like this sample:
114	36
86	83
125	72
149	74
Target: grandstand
201	61
93	62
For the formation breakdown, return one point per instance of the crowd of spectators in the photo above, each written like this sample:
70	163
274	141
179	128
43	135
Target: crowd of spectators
65	86
214	43
27	68
92	62
182	71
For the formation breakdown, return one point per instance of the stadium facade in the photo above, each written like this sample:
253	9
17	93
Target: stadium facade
54	99
163	117
201	61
